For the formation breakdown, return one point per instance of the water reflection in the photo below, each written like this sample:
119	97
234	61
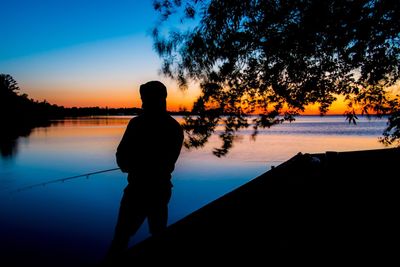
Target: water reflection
72	223
14	131
11	134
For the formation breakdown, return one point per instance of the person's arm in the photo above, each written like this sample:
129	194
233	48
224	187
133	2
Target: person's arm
177	145
123	150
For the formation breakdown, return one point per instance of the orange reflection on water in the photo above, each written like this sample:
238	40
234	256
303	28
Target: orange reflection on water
86	127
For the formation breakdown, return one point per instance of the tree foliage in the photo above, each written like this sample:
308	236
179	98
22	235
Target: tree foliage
8	86
276	57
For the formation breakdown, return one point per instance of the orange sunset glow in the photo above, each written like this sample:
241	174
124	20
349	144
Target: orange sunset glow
128	96
110	96
125	94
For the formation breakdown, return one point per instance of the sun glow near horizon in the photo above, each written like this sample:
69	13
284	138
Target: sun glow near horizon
125	96
128	96
177	100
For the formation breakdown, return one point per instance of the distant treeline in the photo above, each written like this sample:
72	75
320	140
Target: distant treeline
98	111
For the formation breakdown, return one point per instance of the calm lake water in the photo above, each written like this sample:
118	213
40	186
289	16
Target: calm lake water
72	223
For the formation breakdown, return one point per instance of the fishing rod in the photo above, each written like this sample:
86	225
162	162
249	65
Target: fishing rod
61	180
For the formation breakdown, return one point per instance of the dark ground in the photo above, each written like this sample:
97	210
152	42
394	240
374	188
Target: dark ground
317	209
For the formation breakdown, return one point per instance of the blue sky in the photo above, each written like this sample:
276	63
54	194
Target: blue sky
82	52
33	26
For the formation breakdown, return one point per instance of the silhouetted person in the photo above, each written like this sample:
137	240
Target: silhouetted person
148	151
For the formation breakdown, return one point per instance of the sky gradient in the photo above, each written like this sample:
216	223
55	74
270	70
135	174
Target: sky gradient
83	53
86	53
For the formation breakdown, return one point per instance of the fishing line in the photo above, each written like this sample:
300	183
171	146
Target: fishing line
61	180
